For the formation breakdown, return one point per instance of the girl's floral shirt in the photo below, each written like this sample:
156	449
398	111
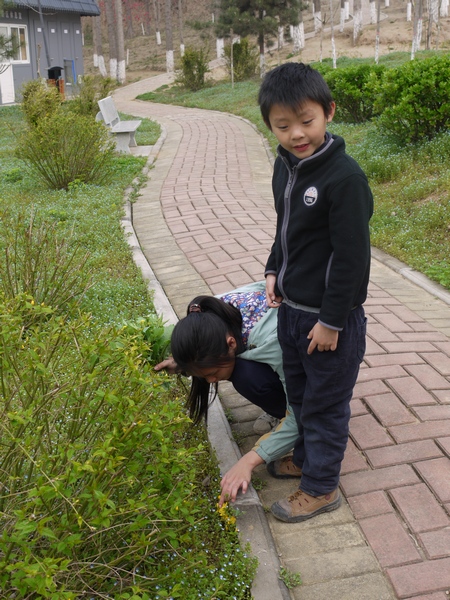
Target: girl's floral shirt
251	305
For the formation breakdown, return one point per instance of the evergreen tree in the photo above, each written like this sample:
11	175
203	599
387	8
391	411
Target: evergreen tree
259	18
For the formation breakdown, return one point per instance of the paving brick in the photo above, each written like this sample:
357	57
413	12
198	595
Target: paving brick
378	479
436	473
420	431
406	314
410	391
389	540
379	334
439	360
421	578
384	372
433	413
375	309
370	505
433	596
403	453
426	336
406	347
386	300
436	543
393	323
406	358
444	443
428	377
353	459
368	433
357	407
442	395
369	388
373	348
411	500
443	346
347	562
389	410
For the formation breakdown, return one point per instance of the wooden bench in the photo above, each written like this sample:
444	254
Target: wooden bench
123	131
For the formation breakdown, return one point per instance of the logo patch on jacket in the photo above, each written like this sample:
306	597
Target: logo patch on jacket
310	196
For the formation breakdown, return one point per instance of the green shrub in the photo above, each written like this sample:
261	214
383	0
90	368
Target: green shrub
413	100
194	66
39	101
89	91
67	147
245	60
100	472
41	263
350	90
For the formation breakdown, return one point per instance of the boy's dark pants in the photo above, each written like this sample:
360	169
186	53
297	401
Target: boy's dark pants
259	383
320	387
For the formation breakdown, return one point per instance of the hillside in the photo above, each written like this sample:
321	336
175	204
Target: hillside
145	57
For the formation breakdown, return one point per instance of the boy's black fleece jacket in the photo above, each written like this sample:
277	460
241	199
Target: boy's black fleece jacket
321	252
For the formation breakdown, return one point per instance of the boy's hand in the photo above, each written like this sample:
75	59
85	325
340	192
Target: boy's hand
238	477
273	301
169	365
323	338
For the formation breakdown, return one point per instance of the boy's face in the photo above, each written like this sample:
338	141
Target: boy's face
300	132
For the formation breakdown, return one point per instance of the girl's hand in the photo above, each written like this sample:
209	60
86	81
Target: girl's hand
239	477
323	338
273	301
169	365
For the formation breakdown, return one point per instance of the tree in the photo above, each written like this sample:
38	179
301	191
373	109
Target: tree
157	12
357	20
99	59
112	40
170	64
261	19
121	71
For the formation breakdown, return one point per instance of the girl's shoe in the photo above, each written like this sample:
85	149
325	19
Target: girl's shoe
265	423
284	468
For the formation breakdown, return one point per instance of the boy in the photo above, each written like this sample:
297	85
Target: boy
317	275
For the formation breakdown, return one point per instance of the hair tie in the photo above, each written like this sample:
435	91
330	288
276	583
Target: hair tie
195	308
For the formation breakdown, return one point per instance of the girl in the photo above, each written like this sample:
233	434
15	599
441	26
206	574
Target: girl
232	337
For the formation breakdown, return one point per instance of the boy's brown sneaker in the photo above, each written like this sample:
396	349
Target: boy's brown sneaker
284	468
301	506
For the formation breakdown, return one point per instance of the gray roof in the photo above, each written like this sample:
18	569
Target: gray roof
84	8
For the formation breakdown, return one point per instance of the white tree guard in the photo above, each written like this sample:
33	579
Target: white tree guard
220	47
317	21
101	65
408	11
158	38
170	62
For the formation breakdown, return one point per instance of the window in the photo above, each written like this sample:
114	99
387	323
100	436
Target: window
17	36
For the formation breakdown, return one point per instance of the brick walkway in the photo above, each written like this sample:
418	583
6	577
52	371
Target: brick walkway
205	222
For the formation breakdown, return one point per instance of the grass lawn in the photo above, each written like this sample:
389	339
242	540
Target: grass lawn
410	184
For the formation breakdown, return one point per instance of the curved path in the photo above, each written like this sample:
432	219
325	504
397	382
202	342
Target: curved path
205	223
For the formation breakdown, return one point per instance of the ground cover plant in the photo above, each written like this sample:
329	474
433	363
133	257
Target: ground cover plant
104	490
410	180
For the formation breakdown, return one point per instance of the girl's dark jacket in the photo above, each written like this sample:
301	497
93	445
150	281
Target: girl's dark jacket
321	252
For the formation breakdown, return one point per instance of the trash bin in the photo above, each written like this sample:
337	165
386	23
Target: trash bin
54	78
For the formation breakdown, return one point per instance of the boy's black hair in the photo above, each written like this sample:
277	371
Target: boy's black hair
291	85
199	341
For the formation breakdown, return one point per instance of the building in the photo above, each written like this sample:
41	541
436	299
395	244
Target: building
47	37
